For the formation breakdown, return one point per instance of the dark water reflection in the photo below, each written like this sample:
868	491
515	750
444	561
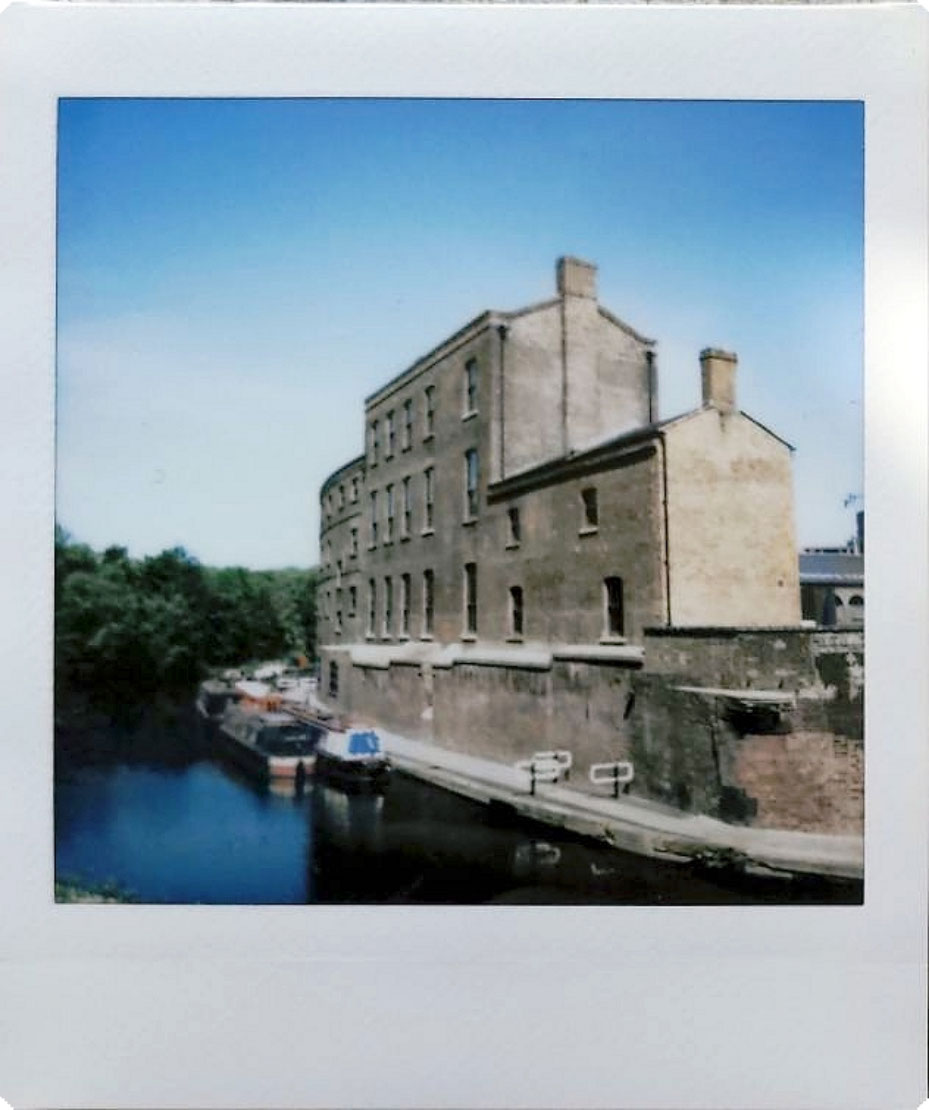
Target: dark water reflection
148	804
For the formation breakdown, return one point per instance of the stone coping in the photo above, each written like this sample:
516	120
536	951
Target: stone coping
530	656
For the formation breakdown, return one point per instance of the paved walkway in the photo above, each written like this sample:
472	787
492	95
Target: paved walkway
633	824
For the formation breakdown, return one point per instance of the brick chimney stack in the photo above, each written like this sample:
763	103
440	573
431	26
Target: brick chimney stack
718	373
576	278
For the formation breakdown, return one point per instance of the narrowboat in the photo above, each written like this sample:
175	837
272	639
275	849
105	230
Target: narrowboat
273	745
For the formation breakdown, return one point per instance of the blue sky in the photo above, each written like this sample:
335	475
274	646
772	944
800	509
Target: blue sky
234	277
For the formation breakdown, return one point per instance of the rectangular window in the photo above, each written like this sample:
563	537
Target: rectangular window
341	497
354	489
391	436
470	484
373	521
470	387
338	609
372	606
333	680
428	499
407	425
389	524
429	411
375	442
388	606
352	600
407	507
470	598
516	610
513	531
591	513
405	605
353	544
613	601
428	601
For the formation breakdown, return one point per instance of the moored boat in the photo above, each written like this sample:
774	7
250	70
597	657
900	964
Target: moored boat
352	758
213	696
270	744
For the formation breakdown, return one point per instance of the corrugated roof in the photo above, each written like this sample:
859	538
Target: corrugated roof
823	568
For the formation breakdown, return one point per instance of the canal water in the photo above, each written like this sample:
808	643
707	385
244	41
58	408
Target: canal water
147	804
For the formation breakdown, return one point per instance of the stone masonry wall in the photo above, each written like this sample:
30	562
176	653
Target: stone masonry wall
692	751
824	668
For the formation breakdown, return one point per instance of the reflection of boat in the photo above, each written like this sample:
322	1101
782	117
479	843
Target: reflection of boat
213	696
351	822
271	744
352	757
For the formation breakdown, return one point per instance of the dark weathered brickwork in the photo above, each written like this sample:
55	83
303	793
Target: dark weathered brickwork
526	558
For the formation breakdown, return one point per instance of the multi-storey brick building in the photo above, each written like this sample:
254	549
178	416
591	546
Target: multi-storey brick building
520	506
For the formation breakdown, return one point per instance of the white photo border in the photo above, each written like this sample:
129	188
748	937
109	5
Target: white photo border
178	1006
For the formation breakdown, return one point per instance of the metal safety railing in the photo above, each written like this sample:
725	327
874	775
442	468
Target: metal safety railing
620	773
546	767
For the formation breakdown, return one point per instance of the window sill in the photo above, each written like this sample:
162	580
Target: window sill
428	436
514	640
614	640
512	546
589	530
403	637
370	637
405	538
469	521
387	543
427	532
468	415
427	636
469	637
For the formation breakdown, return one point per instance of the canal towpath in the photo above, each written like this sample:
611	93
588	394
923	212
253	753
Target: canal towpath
634	824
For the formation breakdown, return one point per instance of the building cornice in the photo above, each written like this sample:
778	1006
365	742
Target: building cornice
470	331
358	462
